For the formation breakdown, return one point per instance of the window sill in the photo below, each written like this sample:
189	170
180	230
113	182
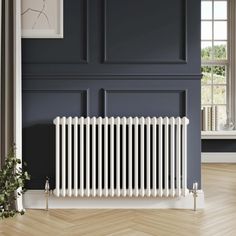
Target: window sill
222	134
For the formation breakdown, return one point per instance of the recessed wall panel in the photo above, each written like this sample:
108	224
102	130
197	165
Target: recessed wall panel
145	31
42	106
145	103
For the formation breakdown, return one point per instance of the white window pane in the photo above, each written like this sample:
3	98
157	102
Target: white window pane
206	30
219	94
206	94
206	50
220	30
220	50
219	74
206	10
222	115
220	10
206	75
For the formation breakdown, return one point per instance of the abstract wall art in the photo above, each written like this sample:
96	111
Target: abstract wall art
42	18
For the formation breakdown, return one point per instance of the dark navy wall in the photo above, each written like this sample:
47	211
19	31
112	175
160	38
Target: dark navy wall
117	58
214	145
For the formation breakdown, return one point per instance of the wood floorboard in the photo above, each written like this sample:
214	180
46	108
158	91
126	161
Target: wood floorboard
217	219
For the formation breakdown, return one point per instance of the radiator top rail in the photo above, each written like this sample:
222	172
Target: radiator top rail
114	120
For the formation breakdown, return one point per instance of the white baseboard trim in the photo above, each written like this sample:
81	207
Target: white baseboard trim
218	157
35	199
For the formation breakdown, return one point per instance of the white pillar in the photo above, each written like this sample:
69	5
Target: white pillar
17	88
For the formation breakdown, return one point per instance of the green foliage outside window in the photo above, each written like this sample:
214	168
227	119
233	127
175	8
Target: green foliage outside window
218	50
219	53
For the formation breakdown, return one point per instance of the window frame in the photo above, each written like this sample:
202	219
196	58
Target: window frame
232	59
229	62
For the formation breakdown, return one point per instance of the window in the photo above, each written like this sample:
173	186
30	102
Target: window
215	49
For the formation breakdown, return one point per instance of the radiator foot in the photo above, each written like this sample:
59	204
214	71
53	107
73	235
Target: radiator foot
194	191
47	193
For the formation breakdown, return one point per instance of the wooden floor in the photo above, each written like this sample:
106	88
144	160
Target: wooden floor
217	219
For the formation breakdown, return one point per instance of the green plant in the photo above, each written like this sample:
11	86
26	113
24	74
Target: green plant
12	178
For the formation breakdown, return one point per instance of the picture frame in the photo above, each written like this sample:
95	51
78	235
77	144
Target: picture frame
42	19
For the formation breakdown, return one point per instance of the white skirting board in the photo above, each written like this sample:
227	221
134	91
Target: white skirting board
218	157
35	199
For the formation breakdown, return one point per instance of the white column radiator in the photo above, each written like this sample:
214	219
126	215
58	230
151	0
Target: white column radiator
121	157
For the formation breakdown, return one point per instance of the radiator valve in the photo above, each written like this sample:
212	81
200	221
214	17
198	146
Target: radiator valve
194	191
47	192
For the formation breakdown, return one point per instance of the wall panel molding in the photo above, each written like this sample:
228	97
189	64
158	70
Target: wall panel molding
107	91
84	92
183	46
112	76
